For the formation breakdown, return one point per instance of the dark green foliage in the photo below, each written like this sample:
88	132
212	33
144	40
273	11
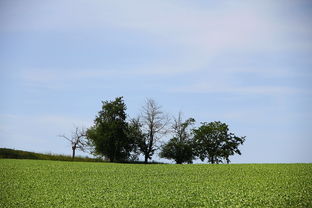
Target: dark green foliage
214	142
109	134
19	154
180	152
136	135
179	148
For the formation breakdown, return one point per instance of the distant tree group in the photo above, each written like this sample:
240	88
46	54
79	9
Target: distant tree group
118	139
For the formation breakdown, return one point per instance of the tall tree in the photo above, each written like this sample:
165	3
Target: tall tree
77	140
109	134
214	142
154	123
179	148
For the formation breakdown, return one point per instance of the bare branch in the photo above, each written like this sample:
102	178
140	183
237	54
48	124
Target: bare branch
77	139
154	122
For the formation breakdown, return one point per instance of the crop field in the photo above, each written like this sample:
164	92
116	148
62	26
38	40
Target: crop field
37	183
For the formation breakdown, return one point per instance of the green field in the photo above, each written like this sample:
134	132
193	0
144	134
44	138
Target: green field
37	183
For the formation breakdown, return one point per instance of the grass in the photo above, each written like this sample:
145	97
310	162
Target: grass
20	154
39	183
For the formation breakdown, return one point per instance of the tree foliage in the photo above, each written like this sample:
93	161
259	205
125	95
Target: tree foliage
136	135
109	134
214	142
119	139
179	148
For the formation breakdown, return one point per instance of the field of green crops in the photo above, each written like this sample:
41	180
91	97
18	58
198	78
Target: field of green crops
36	183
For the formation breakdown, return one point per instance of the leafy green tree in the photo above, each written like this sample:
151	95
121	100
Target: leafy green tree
179	148
231	146
109	134
180	152
214	142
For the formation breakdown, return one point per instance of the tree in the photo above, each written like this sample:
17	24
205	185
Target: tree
231	146
214	142
179	148
154	122
137	136
77	140
109	134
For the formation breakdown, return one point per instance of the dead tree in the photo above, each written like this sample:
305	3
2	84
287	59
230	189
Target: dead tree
77	140
154	123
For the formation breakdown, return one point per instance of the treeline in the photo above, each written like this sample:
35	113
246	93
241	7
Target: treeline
120	139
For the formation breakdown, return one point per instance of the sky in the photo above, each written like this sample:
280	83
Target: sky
245	63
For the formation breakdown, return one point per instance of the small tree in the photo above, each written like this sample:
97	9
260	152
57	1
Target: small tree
77	140
154	122
180	152
179	148
214	142
109	134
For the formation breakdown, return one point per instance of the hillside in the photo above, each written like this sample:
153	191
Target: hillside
20	154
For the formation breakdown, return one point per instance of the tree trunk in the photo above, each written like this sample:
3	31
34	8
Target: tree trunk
115	152
74	149
146	158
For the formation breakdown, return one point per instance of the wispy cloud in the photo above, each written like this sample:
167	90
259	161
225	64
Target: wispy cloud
227	88
204	32
208	29
54	77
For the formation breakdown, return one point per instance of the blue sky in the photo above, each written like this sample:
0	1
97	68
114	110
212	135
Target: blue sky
246	63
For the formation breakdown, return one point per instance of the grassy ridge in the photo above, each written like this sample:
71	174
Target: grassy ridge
19	154
35	183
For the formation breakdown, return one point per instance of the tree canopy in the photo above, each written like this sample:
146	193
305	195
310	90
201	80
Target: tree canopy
109	134
214	142
120	139
179	148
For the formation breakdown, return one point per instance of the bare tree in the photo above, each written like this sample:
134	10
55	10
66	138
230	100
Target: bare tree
77	140
181	129
154	123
